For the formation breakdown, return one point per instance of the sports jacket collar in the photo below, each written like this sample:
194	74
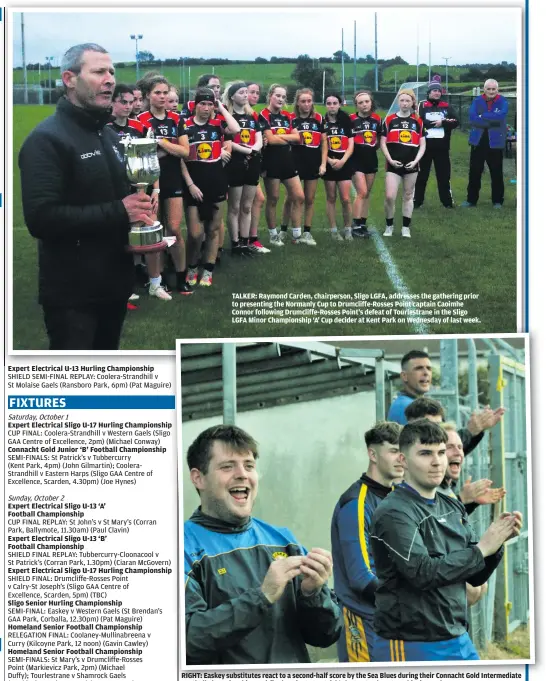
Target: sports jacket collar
217	525
93	120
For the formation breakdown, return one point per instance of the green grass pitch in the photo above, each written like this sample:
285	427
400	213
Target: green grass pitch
459	251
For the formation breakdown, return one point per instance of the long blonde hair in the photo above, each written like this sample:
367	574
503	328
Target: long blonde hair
272	89
228	102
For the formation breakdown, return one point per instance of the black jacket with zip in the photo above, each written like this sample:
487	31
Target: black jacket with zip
72	182
425	551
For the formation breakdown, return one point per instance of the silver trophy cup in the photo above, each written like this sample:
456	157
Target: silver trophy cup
142	167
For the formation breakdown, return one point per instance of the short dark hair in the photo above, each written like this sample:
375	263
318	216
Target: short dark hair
424	406
200	450
73	58
421	430
413	354
383	431
204	79
122	89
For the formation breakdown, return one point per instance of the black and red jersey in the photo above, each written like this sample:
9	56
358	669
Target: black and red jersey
279	123
338	133
205	139
366	130
164	128
188	109
432	111
403	135
310	130
133	127
249	124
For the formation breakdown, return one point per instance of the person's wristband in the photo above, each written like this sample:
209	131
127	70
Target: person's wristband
155	191
191	185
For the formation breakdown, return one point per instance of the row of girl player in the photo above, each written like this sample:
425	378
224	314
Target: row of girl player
281	146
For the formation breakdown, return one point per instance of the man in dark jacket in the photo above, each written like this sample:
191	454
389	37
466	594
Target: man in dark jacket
439	120
487	141
253	594
77	203
425	552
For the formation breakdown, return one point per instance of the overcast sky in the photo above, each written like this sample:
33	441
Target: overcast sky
464	35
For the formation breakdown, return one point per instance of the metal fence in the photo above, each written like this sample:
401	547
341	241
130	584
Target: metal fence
509	458
501	458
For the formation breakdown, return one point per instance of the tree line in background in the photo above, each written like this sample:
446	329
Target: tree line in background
314	72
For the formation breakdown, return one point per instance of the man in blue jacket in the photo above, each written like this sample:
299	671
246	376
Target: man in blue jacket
416	375
487	139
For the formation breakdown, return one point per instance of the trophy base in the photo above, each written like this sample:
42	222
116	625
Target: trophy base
146	238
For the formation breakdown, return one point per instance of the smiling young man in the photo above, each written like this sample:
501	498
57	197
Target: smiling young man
425	552
416	375
471	435
472	494
354	576
78	203
253	594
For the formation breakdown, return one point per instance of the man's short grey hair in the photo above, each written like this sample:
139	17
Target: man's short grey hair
491	80
73	58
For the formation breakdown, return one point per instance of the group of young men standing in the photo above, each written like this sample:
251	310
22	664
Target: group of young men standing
405	560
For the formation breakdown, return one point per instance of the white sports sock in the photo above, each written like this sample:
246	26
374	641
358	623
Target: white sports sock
155	281
296	232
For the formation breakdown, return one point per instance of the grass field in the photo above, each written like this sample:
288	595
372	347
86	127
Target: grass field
460	251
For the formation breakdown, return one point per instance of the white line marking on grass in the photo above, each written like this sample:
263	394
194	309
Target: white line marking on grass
397	282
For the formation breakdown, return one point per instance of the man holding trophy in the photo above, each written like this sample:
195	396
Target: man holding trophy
77	202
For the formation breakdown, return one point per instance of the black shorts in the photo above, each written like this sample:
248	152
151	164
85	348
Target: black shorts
279	166
170	178
307	162
242	171
400	171
211	180
365	162
345	173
